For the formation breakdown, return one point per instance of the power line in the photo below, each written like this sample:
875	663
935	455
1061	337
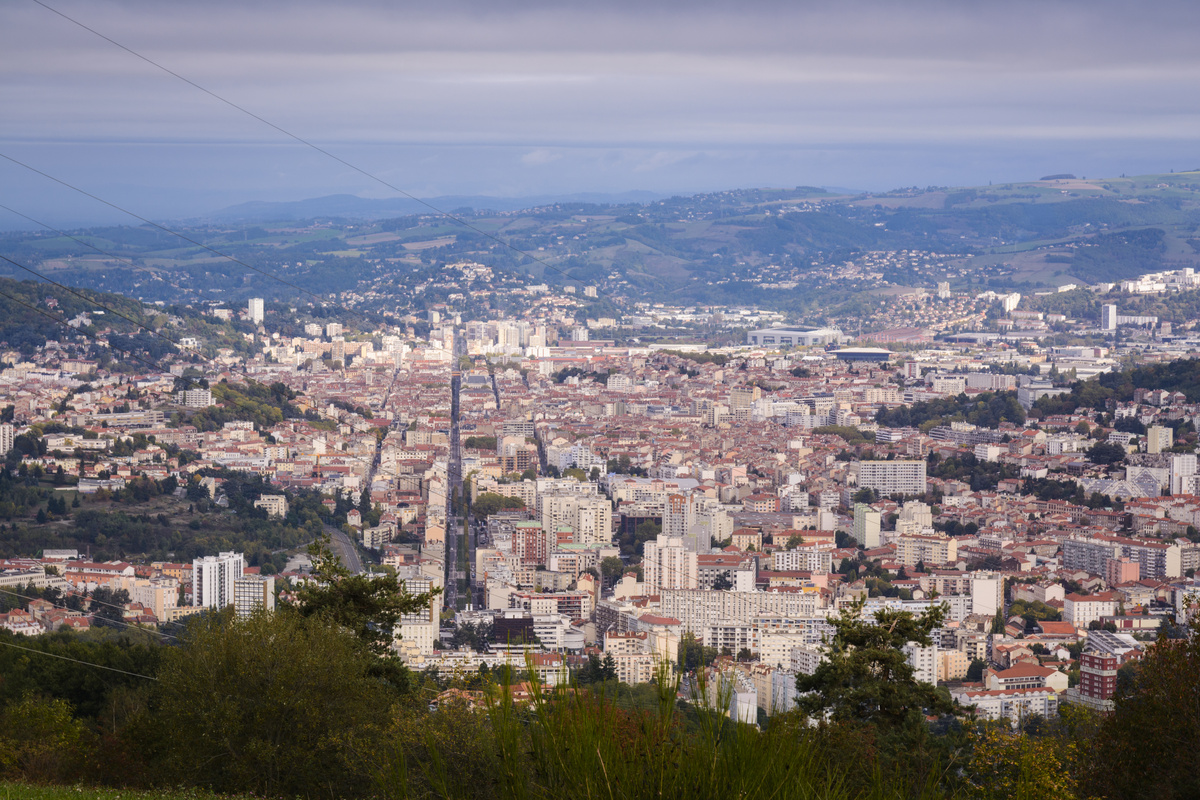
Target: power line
106	619
156	367
300	140
134	356
159	334
77	661
165	229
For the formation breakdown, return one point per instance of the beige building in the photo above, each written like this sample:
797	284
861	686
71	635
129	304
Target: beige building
953	665
275	504
916	549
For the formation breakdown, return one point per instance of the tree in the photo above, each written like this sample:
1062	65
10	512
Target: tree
41	740
1106	453
1026	765
1158	695
275	704
597	670
489	503
693	655
367	605
975	670
611	568
867	677
864	495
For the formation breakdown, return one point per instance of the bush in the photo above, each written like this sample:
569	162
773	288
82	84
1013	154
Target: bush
277	704
40	740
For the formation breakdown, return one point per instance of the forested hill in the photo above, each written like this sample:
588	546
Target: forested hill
33	312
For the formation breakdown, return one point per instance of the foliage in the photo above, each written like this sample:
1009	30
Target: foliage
583	743
597	670
611	568
633	544
263	405
1012	765
1033	612
480	443
866	676
41	740
367	605
468	634
1106	454
29	791
852	435
278	704
1119	256
489	503
25	329
66	672
693	655
720	359
983	476
1182	375
190	532
986	410
1161	698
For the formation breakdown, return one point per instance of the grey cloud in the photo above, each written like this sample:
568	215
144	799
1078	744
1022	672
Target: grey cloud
684	93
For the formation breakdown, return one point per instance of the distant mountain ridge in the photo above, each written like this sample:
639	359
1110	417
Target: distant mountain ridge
354	207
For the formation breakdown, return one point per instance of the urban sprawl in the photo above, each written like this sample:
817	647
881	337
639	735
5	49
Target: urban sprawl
576	491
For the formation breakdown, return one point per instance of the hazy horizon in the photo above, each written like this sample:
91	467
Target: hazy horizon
540	99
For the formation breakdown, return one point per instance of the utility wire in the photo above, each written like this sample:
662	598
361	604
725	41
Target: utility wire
158	368
106	619
300	140
165	229
77	661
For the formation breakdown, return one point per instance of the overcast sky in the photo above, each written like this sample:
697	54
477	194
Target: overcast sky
512	98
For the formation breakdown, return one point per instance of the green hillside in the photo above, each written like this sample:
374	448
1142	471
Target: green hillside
722	247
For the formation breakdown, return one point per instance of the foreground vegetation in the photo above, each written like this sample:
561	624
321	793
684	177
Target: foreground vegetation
300	703
31	791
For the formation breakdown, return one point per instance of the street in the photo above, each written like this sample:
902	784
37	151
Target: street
345	549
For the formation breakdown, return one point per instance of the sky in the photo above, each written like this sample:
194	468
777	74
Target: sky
516	98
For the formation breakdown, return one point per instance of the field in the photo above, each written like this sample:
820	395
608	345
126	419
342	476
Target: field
25	791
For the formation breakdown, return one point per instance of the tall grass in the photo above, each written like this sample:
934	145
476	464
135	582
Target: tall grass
579	743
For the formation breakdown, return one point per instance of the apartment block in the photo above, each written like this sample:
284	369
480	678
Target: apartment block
213	579
253	592
892	477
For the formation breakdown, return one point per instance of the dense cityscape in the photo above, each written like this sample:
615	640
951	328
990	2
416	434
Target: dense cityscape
622	401
573	508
